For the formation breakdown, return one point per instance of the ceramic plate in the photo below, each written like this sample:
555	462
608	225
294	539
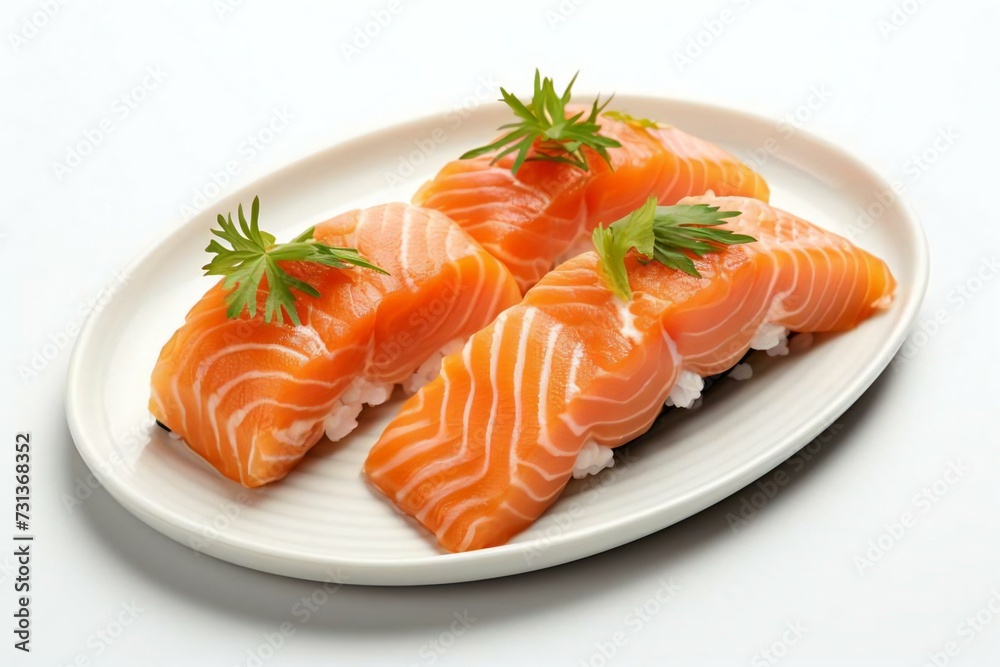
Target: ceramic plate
323	522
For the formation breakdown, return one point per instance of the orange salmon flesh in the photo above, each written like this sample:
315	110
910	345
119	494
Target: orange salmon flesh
251	398
545	213
482	451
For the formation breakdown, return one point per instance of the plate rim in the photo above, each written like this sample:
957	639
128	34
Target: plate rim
286	561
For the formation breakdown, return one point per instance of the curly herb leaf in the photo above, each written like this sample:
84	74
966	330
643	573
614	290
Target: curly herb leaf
545	127
666	234
253	254
614	241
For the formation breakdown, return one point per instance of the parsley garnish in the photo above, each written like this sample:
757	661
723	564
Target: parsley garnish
665	234
254	254
545	127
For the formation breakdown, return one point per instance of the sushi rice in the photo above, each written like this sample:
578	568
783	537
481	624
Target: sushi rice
686	392
343	417
593	458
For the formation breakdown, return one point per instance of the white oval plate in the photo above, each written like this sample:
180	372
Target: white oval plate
322	522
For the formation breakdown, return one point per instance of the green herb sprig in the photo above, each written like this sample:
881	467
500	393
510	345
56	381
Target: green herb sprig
545	127
665	234
253	254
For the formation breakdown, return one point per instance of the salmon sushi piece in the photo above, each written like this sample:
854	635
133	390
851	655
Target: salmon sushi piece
252	397
535	218
574	370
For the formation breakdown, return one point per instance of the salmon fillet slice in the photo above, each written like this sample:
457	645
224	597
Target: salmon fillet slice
252	397
479	453
545	213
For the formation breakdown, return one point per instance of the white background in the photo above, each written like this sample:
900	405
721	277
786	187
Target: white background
224	71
